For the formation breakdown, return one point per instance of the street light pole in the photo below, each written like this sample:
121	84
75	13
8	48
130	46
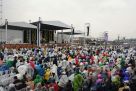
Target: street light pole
72	33
39	28
84	38
1	35
37	35
6	27
106	38
88	28
30	33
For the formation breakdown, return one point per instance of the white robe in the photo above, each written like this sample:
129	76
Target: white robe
63	80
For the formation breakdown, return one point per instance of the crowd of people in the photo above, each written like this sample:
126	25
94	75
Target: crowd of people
68	69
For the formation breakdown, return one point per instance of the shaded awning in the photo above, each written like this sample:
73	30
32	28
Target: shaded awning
20	26
52	25
71	33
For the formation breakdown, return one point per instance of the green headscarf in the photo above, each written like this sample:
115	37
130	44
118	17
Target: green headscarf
37	79
122	62
78	81
9	62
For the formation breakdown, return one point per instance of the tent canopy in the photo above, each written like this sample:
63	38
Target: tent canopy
19	26
52	25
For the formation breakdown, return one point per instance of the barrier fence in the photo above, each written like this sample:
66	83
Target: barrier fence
18	46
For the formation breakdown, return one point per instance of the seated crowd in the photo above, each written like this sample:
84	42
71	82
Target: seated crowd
68	69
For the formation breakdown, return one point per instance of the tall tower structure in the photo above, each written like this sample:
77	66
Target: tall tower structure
1	5
1	12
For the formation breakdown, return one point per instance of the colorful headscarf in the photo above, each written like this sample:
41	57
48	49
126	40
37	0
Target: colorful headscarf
38	79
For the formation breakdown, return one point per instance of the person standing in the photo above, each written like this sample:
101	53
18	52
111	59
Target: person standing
1	58
133	82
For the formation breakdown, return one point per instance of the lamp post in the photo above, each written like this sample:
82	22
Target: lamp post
30	37
118	40
6	27
62	40
37	36
1	35
39	31
105	38
72	33
88	28
84	38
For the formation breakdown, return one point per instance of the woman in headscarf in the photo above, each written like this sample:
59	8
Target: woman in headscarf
78	82
54	71
30	83
40	69
31	61
47	74
63	81
38	79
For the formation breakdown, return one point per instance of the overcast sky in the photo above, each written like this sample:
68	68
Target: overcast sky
118	17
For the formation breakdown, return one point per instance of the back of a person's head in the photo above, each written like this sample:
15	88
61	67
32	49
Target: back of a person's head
15	57
41	66
85	68
121	84
12	89
39	85
1	56
15	77
126	89
134	71
53	81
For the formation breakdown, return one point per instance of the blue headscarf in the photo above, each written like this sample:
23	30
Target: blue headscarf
40	70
